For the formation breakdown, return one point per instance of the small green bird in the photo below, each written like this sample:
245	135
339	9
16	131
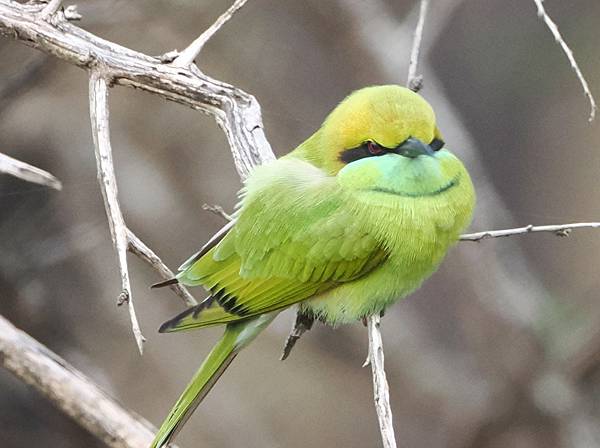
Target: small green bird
353	219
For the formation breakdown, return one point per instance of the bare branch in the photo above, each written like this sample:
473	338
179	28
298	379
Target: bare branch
71	391
541	11
414	81
50	9
235	111
187	56
108	185
557	229
138	248
28	172
381	392
375	356
217	210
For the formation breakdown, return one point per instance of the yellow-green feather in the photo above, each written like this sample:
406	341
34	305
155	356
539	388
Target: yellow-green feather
236	337
342	240
285	247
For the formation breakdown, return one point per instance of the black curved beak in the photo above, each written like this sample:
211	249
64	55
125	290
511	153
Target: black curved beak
413	147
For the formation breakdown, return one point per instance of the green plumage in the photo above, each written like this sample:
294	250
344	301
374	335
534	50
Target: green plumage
236	336
341	239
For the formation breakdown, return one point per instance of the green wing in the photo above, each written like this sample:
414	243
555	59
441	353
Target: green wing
294	238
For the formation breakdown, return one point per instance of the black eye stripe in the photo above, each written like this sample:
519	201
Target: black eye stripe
437	144
360	152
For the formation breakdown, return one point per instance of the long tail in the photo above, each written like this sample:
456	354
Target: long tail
236	337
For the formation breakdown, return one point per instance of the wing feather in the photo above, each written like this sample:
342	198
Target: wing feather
294	238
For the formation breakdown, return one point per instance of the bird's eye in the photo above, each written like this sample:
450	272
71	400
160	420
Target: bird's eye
437	144
374	149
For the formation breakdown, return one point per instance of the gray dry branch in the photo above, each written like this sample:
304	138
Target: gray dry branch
108	186
569	53
123	238
381	390
236	112
186	58
557	229
27	172
415	81
71	391
50	9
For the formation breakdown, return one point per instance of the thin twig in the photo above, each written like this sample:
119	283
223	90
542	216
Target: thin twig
28	172
414	81
217	210
71	391
138	248
108	185
381	392
557	229
50	9
187	56
541	11
375	356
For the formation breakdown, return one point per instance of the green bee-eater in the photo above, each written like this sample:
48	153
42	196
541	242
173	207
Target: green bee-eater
353	219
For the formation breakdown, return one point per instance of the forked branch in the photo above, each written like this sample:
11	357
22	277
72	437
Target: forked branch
108	186
187	56
123	238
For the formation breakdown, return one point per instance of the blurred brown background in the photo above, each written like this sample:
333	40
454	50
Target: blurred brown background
501	348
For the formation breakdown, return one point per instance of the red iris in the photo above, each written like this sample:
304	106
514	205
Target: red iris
374	148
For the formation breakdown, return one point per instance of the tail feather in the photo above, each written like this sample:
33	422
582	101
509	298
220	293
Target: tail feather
171	281
205	378
235	338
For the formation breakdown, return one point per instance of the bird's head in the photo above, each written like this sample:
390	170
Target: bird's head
385	139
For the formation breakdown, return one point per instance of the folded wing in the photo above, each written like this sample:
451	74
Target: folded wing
294	237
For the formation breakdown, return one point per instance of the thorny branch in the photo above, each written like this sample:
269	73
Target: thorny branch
567	51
